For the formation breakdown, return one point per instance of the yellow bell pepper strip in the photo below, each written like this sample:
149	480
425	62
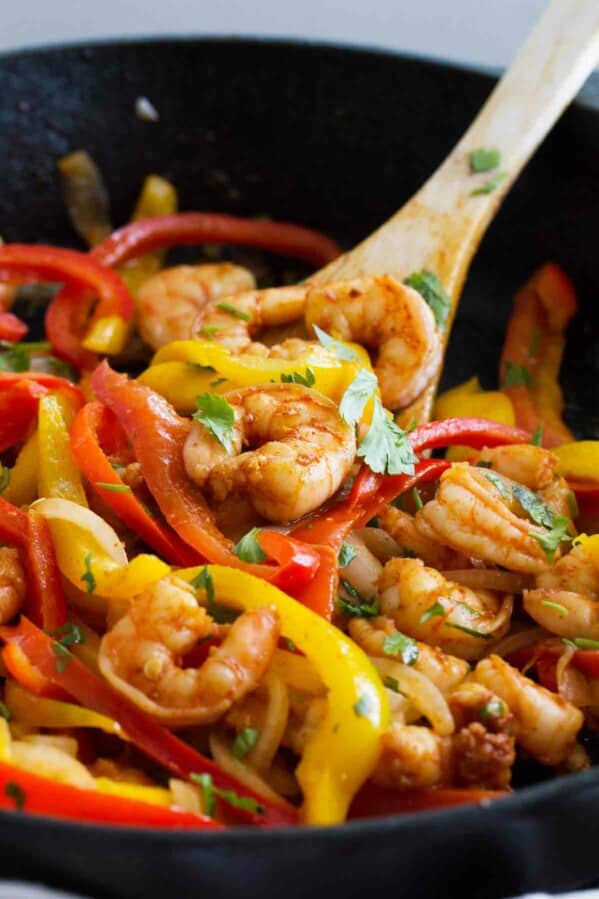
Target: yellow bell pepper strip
38	651
22	487
138	792
86	197
344	749
57	473
533	349
38	711
158	197
579	461
108	334
183	369
470	400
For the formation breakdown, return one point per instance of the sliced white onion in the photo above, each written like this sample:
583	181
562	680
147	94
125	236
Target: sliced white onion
421	692
519	640
56	509
379	542
489	579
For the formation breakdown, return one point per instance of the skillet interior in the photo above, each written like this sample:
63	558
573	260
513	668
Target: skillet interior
335	138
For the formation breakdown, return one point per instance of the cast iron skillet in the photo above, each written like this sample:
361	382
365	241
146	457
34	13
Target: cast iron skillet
336	138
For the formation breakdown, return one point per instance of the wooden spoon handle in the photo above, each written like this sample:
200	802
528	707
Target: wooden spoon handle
440	228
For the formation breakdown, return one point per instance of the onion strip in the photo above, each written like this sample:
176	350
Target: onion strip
489	579
421	692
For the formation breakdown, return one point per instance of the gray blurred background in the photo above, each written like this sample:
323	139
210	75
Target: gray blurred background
476	31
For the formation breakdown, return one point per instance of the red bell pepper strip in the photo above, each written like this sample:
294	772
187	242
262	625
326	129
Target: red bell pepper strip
27	792
373	801
11	327
548	654
20	669
157	435
50	383
193	228
155	741
319	595
476	432
297	562
45	602
65	322
587	497
18	411
14	527
87	451
369	495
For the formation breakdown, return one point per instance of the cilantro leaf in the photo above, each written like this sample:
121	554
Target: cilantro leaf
15	359
493	709
556	606
345	353
398	644
551	539
585	643
210	793
516	375
360	607
469	631
386	448
87	577
216	414
234	311
498	483
69	634
417	498
437	610
5	712
346	554
391	683
430	287
484	159
290	644
533	506
63	656
218	382
113	488
220	614
362	706
245	741
4	478
209	331
247	803
537	437
489	186
307	380
353	401
248	548
203	581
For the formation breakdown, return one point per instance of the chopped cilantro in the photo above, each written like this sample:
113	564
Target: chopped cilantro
386	448
537	437
430	287
113	488
87	577
218	382
16	793
216	414
70	634
362	706
489	186
498	483
4	478
493	709
471	611
484	464
417	498
209	331
391	683
5	712
15	359
203	581
360	391
484	159
245	741
469	631
397	644
556	606
220	614
63	656
585	643
573	504
343	352
232	310
533	506
307	380
551	540
516	375
437	610
290	644
210	793
346	554
360	607
248	548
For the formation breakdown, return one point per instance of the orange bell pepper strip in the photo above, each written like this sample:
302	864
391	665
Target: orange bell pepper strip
157	435
191	228
160	744
533	350
90	422
24	791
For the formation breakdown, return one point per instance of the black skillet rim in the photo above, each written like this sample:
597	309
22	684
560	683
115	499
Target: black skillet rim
521	801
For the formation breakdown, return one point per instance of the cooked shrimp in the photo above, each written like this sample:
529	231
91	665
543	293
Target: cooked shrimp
383	314
444	670
427	606
402	527
304	450
412	757
470	515
471	702
534	467
235	321
565	600
141	655
170	301
546	725
12	584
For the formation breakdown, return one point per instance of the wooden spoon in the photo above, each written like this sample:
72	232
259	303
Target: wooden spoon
440	227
